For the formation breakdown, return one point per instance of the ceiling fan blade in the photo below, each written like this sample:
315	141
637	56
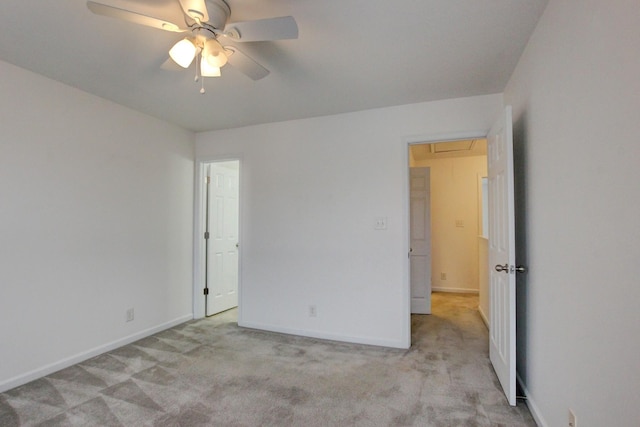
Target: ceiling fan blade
284	27
137	18
245	64
170	65
195	9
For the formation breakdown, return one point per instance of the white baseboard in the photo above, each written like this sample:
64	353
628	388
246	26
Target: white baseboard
323	336
483	316
81	357
531	404
455	290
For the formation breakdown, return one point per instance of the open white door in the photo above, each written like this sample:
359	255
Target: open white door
222	236
502	257
420	230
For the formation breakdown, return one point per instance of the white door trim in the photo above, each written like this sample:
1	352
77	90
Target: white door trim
407	142
199	228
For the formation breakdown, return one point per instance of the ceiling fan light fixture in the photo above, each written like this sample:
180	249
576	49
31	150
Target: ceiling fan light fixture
208	70
183	52
214	53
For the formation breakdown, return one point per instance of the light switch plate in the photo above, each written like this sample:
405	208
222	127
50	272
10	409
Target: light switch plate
380	223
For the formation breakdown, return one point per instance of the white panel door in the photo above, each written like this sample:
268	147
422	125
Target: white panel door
502	282
420	230
222	251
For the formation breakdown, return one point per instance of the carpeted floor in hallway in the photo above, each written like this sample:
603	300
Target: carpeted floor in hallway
210	372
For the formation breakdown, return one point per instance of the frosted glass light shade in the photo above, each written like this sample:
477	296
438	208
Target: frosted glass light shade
214	53
207	70
183	53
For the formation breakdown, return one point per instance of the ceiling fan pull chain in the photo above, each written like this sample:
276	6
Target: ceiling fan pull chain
197	76
202	79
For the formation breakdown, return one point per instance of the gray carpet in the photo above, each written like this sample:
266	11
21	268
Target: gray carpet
210	372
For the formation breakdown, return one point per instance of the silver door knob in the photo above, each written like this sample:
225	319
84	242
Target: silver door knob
502	268
521	269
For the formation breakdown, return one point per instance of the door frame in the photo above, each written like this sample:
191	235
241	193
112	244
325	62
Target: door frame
408	141
199	219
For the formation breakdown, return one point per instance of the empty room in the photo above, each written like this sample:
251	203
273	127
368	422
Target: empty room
206	210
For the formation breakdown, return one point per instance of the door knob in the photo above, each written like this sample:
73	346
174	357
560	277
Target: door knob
521	269
502	268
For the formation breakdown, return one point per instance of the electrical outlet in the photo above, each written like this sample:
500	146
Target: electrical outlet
313	311
572	419
443	276
129	317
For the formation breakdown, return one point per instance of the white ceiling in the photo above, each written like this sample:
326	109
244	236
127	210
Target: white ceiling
351	55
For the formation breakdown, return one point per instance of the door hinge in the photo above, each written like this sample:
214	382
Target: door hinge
206	291
206	234
207	180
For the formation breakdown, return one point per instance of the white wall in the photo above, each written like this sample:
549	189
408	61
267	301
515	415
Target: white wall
95	218
576	98
310	191
455	198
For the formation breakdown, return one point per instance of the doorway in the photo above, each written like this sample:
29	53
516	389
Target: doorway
456	169
216	282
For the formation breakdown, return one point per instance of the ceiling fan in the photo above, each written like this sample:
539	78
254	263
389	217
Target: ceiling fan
205	22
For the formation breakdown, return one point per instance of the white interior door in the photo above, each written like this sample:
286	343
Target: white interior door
420	230
502	281
222	244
